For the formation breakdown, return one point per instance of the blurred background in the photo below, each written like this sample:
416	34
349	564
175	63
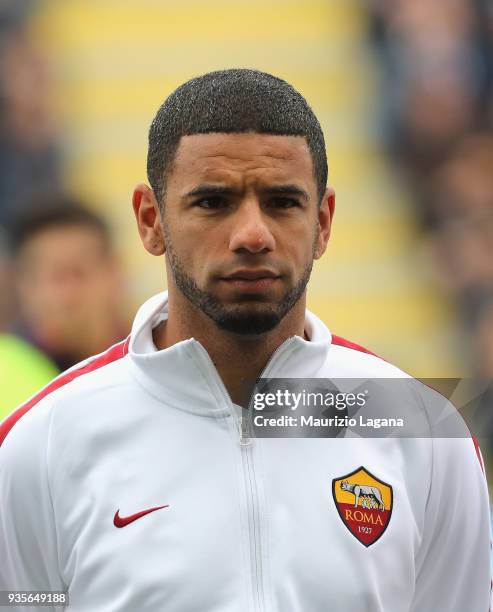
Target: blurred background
404	92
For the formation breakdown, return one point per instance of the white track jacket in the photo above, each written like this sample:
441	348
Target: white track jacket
126	484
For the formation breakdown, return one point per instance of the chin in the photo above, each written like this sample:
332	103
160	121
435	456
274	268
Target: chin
248	321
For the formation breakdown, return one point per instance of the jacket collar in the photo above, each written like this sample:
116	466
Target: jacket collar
183	375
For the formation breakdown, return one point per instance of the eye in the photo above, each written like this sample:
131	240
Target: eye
212	203
283	202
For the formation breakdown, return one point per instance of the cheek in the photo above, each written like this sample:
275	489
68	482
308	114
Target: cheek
195	245
300	242
188	253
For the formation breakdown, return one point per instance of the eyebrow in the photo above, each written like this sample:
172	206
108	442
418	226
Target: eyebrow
288	190
208	189
211	189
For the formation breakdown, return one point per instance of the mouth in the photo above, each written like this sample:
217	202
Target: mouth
252	281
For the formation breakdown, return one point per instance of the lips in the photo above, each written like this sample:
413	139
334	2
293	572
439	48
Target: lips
252	281
252	275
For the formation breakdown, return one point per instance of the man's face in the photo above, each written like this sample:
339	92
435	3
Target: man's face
66	282
241	224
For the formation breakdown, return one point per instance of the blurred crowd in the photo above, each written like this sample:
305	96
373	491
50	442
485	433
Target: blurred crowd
61	287
29	153
437	120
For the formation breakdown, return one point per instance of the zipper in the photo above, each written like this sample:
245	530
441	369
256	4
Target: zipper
254	526
247	448
245	427
246	440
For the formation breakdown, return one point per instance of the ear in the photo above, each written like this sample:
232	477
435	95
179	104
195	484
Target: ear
325	216
148	218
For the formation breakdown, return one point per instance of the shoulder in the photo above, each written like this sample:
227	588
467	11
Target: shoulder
349	359
77	382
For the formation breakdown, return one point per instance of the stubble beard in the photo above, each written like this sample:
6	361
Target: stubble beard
246	319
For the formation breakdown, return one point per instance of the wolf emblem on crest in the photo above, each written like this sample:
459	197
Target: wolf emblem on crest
371	497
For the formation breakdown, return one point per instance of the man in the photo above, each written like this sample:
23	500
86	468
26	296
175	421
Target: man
67	279
131	484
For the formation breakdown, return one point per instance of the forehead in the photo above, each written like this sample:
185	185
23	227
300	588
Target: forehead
58	241
211	155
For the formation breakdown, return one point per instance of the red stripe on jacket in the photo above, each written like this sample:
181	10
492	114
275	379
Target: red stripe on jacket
112	354
337	340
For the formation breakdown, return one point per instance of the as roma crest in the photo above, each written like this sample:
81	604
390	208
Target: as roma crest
364	503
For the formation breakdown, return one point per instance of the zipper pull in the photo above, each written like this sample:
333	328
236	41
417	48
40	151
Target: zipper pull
245	437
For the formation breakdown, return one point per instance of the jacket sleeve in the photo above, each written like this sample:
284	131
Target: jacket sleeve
453	562
28	546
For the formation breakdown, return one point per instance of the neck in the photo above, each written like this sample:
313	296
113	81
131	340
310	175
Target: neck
238	359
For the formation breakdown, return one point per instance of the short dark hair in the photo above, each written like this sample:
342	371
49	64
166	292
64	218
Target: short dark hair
232	101
53	211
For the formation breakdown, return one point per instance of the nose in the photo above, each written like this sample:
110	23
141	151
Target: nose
250	230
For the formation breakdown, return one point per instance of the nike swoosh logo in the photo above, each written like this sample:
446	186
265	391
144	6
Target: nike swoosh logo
122	521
